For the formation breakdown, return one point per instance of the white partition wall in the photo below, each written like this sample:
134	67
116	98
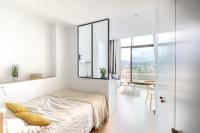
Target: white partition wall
178	67
187	66
165	71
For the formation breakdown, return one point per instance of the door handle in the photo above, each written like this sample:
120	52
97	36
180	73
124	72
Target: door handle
174	130
162	99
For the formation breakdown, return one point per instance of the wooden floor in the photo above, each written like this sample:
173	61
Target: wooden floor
131	115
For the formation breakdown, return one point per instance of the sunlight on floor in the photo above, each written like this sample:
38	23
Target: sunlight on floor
131	114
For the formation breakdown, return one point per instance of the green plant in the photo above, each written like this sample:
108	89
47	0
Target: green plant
15	70
103	72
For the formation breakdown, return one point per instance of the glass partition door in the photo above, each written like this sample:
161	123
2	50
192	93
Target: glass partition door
137	58
143	63
100	48
126	64
93	39
85	58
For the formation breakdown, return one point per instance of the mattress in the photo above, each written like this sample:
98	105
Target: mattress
65	116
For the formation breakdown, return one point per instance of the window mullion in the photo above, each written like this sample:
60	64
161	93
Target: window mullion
131	59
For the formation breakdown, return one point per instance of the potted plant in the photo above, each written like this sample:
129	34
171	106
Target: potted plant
103	72
15	72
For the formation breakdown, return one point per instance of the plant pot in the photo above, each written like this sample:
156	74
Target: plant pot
103	77
15	79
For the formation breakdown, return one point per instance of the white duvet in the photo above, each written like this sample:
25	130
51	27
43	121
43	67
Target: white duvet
65	115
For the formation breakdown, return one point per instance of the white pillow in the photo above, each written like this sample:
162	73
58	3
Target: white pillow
11	124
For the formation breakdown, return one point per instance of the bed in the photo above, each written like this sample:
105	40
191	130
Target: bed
69	111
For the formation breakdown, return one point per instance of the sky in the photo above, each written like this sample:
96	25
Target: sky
138	54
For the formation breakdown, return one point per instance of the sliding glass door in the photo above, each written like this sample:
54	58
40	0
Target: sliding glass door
143	63
125	64
125	59
137	58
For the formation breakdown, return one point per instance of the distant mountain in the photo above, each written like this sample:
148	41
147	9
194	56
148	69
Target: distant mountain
138	61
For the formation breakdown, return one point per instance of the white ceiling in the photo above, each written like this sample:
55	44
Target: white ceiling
82	11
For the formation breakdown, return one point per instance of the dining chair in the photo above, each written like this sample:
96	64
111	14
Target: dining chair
127	85
151	93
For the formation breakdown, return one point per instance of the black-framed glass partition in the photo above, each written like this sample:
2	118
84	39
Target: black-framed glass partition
93	40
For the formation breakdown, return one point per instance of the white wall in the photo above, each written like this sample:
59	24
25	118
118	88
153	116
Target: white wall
27	41
112	97
23	91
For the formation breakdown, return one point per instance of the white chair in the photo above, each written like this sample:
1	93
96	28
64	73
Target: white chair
127	85
151	93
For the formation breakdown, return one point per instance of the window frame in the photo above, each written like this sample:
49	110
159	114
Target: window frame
91	23
131	52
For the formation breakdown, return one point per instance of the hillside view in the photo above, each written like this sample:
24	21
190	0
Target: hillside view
143	62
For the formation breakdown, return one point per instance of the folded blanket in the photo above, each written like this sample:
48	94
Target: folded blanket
97	101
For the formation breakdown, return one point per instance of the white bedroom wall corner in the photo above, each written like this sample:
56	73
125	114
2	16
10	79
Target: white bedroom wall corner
24	91
25	39
112	94
53	48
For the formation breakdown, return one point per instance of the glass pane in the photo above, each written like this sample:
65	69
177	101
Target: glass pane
125	42
125	64
166	37
100	48
142	40
85	51
143	63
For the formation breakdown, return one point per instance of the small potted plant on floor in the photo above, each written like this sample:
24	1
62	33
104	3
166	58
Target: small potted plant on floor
15	72
103	72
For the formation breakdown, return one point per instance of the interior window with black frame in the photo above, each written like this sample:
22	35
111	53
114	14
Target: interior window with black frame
93	40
